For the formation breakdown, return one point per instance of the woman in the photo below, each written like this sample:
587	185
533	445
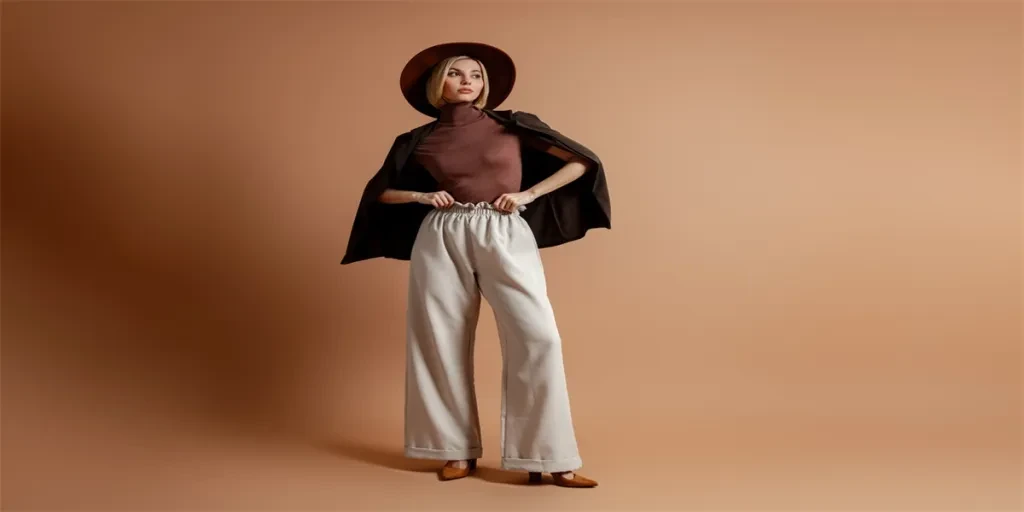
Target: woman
452	198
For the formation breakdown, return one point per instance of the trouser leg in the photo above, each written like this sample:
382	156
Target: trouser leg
441	419
537	431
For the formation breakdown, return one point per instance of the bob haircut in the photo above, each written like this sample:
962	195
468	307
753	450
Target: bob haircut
435	84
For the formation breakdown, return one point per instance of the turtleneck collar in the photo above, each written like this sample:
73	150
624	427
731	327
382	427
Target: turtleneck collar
458	114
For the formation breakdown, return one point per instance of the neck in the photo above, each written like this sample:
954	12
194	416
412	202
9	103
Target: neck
459	113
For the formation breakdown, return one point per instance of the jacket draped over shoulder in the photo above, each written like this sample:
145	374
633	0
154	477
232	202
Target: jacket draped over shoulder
560	216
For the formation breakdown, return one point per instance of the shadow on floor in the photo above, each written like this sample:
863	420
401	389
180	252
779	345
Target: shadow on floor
394	459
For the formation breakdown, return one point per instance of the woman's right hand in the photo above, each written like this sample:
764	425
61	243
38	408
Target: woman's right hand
439	199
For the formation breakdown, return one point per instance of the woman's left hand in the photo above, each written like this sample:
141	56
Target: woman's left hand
512	201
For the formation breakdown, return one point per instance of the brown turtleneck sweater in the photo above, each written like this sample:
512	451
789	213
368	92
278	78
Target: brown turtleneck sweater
471	156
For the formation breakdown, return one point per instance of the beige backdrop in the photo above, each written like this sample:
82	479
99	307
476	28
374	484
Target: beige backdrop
810	298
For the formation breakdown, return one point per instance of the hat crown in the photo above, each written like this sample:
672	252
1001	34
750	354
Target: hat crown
501	73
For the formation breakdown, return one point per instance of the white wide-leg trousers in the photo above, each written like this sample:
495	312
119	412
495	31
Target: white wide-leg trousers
461	253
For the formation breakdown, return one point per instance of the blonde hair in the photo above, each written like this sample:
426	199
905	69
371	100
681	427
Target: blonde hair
435	84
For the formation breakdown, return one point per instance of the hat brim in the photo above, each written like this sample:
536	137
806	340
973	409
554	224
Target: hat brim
501	73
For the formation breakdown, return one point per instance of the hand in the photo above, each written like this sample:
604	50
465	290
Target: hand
439	199
512	201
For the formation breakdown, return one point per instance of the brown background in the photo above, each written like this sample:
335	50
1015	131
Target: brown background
810	298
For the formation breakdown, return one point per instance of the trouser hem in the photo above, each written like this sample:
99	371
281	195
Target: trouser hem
545	466
415	452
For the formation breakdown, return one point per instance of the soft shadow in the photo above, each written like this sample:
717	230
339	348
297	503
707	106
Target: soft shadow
395	459
501	476
377	456
191	293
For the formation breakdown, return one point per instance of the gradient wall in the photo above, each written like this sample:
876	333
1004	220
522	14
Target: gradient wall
810	297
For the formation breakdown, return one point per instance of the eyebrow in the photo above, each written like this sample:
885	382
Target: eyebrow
471	71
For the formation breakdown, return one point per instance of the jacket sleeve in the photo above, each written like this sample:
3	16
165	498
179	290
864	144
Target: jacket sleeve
367	238
586	199
559	139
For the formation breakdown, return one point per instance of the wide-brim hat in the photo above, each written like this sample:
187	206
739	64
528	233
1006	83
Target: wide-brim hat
501	73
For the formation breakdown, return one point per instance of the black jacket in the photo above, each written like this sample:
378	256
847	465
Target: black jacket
560	216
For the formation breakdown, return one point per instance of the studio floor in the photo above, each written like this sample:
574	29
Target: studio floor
709	467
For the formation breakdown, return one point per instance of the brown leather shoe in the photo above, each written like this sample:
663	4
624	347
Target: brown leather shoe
560	480
451	473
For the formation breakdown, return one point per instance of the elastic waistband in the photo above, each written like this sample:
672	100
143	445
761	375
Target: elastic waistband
481	208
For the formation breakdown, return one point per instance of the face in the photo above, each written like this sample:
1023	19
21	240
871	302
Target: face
464	81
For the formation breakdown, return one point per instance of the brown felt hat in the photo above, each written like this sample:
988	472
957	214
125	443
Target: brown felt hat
501	73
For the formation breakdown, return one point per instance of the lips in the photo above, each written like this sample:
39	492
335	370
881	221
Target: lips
466	90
